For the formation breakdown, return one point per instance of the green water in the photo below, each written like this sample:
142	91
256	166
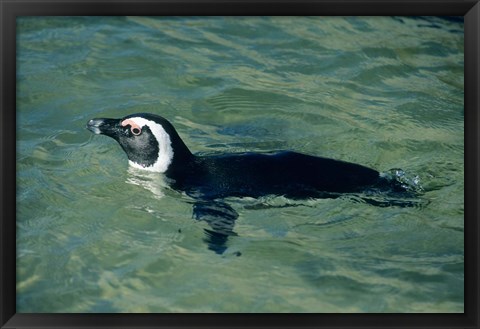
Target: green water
93	235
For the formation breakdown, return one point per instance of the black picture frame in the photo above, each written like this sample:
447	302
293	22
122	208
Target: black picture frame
9	10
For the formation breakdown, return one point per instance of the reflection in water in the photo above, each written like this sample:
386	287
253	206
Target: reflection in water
154	182
218	215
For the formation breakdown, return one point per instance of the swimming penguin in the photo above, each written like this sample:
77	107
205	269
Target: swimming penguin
152	143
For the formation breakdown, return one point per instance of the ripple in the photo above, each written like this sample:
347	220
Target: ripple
92	234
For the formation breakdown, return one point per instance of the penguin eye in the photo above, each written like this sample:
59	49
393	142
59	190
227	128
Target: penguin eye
136	131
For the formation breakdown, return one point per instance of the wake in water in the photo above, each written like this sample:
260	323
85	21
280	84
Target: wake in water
401	190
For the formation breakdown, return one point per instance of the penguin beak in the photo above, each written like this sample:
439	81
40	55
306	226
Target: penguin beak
109	127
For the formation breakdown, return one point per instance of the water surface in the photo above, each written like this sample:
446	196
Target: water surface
93	235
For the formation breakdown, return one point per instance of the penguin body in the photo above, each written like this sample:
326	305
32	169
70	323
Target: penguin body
290	174
152	143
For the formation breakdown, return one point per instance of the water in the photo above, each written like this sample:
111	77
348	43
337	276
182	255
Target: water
94	235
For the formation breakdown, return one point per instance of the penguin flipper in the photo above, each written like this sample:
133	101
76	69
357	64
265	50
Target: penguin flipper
221	219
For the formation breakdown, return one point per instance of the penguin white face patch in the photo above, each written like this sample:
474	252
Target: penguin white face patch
164	156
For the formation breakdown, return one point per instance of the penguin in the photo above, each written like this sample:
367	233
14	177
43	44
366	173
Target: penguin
151	143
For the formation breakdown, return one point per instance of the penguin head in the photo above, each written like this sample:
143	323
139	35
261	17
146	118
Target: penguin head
150	141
